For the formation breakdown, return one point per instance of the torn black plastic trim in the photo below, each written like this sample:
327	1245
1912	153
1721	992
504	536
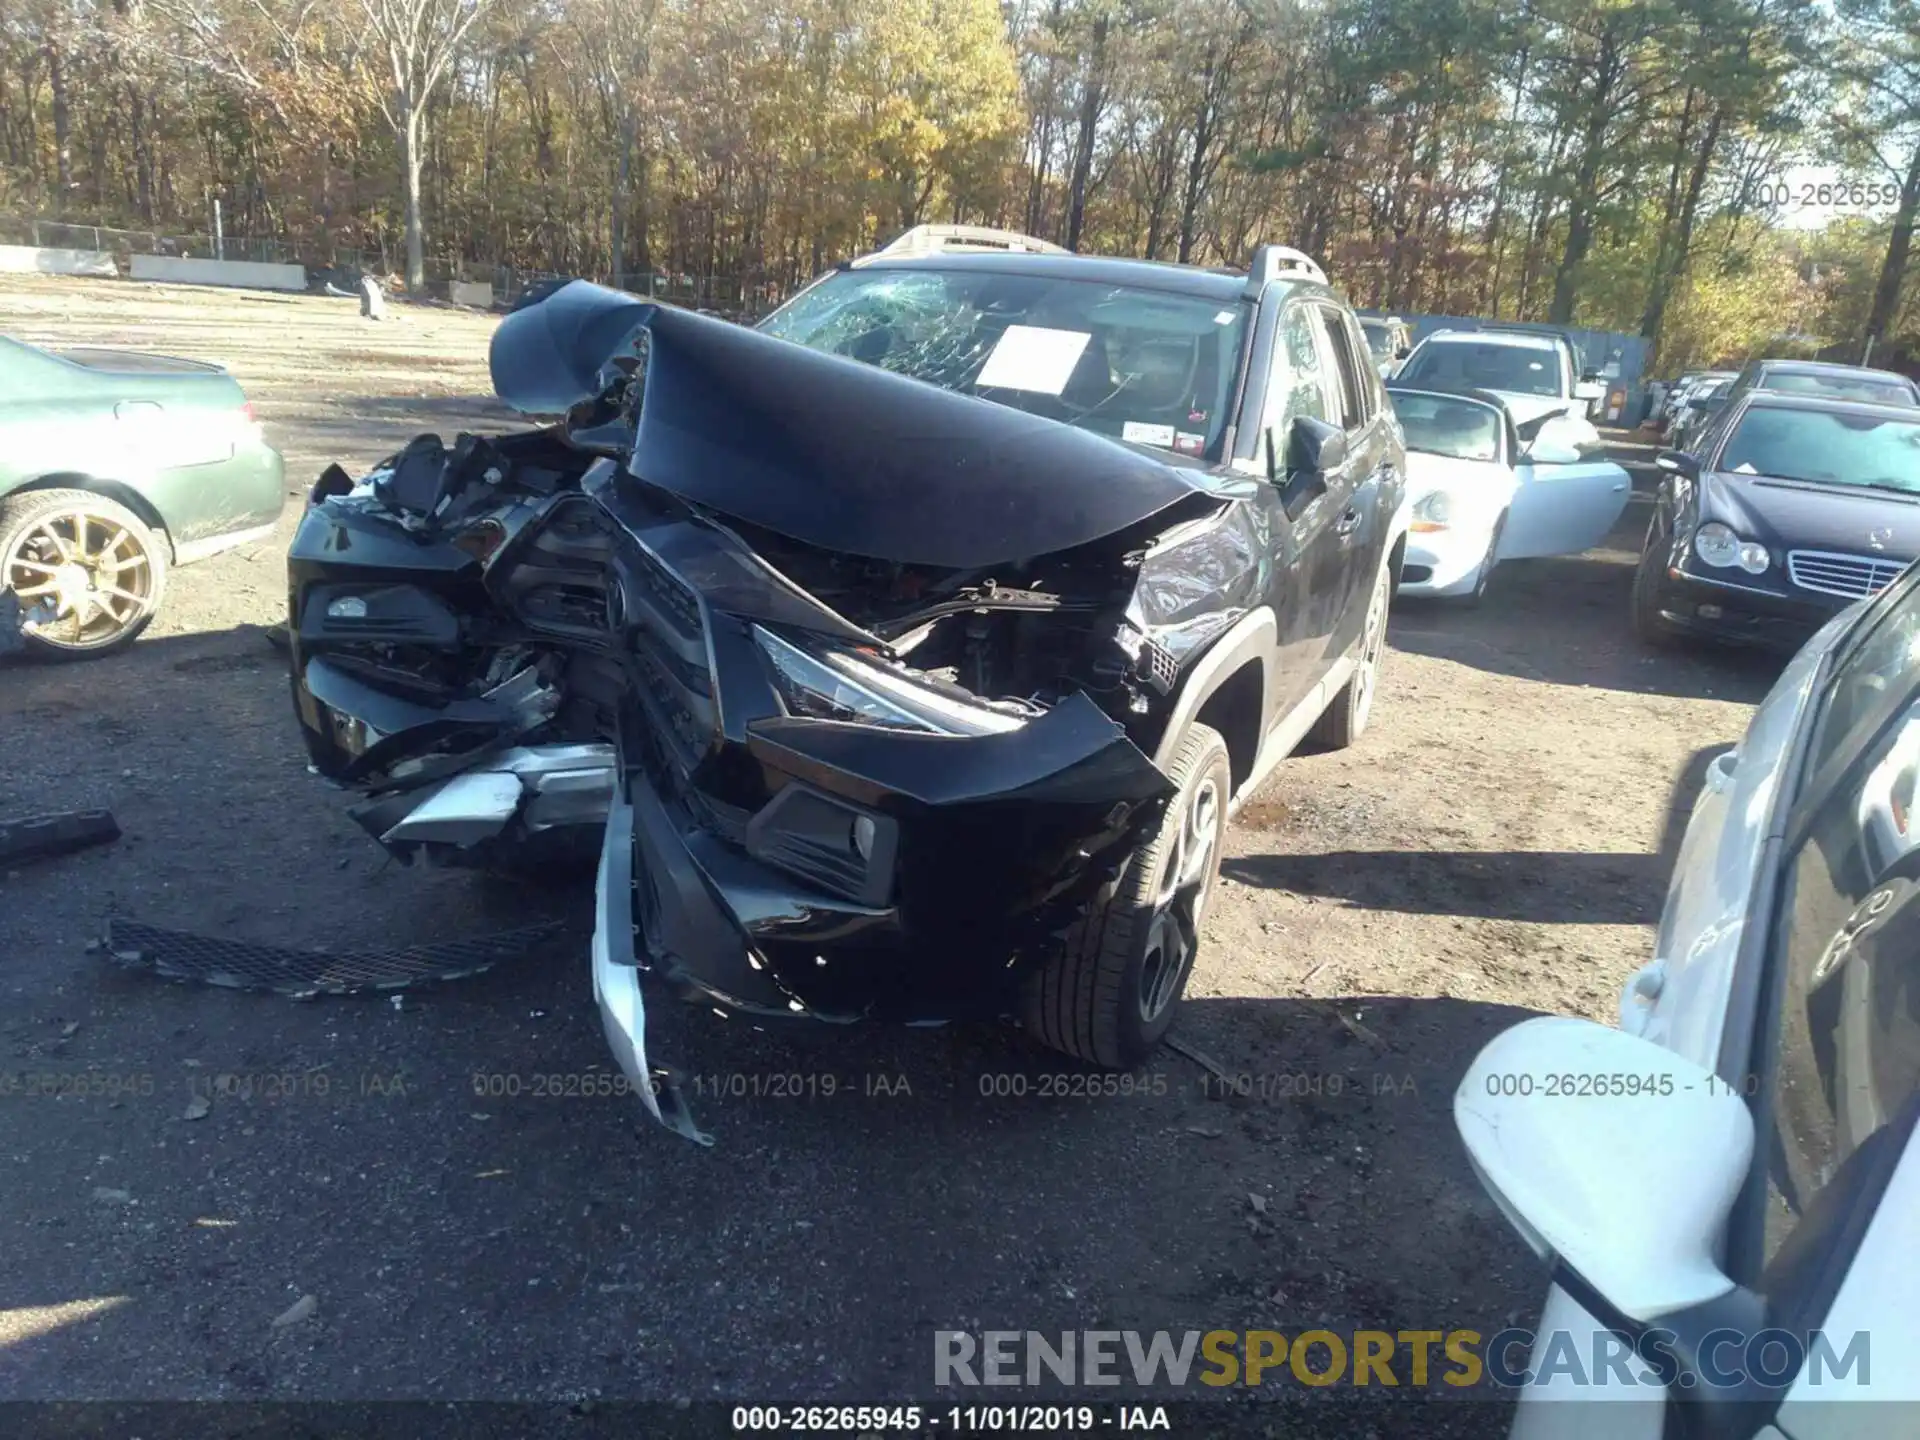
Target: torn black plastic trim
1074	754
371	728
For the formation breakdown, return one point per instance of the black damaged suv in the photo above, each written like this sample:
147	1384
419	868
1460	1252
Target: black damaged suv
905	656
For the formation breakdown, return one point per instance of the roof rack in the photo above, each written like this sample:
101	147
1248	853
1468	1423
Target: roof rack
940	239
1270	262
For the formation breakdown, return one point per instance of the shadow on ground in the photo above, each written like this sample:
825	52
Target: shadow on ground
1583	635
1547	887
476	1212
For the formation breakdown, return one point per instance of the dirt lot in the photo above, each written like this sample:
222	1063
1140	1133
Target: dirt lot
1497	846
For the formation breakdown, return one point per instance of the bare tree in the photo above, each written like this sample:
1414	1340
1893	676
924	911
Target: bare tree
421	38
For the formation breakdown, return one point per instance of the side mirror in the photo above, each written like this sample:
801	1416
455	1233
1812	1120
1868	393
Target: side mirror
1403	352
1678	462
1314	446
1590	388
1612	1154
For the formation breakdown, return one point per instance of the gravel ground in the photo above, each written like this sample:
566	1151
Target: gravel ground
1496	847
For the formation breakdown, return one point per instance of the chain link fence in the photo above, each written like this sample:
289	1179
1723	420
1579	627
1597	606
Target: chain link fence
341	267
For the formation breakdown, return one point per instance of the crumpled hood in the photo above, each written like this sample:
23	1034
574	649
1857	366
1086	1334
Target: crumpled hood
829	451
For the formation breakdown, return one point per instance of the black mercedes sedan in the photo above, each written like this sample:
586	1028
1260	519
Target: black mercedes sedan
1792	507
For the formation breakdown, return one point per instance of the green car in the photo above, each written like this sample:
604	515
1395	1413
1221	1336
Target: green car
115	467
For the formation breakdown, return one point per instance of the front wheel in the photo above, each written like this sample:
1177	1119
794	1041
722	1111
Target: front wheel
1648	622
87	572
1483	577
1109	994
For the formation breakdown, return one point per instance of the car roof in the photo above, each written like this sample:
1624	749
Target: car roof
1523	338
1213	285
1830	404
1826	367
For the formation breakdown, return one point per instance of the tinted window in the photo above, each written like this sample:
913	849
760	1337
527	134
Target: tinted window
1825	446
1130	363
1439	425
1366	374
1298	385
1882	663
1346	368
1845	1075
1484	365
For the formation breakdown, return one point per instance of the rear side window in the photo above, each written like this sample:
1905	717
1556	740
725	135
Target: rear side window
1345	367
1883	664
1844	1081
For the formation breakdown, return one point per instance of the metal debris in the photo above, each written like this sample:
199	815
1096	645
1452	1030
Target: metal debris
1199	1057
301	1309
40	837
303	974
1353	1027
197	1108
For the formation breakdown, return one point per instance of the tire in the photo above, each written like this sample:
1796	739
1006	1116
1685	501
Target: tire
1649	624
1484	578
41	531
1109	994
1345	720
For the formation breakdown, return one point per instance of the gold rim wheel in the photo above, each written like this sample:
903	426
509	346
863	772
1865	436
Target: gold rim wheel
83	579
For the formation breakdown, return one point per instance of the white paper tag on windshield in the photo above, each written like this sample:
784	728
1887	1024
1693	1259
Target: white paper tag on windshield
1032	358
1745	467
1141	433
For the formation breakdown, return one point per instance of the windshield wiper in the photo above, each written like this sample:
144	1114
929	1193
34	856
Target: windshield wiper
1885	487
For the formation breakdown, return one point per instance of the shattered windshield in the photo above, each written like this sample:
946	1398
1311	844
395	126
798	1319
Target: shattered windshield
1139	365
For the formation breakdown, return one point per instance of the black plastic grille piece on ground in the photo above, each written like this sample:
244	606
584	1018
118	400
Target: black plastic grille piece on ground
41	836
248	965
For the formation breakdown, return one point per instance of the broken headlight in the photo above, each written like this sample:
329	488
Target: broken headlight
832	684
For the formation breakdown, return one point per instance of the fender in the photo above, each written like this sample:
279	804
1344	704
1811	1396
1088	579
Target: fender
1254	636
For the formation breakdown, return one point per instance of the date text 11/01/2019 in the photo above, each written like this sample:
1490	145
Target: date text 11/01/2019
960	1419
1827	195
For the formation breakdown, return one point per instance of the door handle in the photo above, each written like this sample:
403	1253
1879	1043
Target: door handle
1348	522
136	409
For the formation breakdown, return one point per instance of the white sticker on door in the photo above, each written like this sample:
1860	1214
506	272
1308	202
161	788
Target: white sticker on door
1032	358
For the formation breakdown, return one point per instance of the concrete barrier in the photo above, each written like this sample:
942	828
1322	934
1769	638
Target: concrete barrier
478	294
244	274
37	260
